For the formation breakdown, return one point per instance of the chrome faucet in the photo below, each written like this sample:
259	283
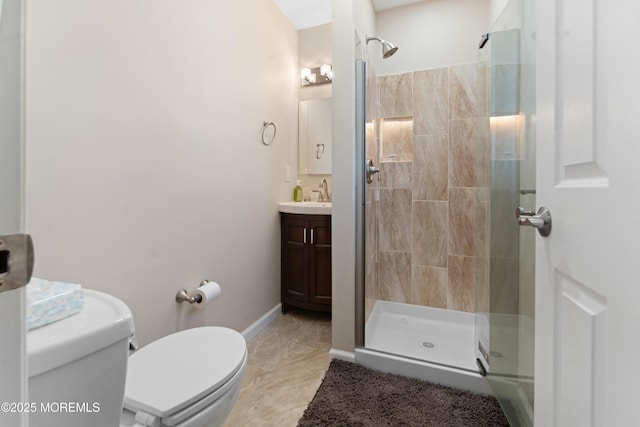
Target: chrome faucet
324	194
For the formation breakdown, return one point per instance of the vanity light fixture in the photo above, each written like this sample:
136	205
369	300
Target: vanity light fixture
307	76
317	75
326	70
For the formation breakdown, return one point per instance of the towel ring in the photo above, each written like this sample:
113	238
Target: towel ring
266	139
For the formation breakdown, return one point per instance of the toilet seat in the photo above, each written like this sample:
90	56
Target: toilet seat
178	375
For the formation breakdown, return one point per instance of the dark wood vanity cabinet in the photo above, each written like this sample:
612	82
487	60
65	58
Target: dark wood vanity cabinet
306	261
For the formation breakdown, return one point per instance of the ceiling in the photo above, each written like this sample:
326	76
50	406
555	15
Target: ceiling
310	13
306	13
379	5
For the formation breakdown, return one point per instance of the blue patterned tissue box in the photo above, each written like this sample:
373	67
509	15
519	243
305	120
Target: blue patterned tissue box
48	301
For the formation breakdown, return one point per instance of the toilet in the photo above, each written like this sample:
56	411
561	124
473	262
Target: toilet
81	374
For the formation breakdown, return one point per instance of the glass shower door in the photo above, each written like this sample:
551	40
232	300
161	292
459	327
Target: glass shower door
371	183
505	295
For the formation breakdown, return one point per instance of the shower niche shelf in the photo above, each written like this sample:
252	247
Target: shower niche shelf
305	261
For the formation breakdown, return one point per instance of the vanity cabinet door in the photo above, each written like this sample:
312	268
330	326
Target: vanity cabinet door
320	261
306	261
295	259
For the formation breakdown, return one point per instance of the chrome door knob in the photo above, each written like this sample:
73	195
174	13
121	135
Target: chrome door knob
540	220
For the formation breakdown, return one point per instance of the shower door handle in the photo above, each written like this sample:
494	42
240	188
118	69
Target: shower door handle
371	170
540	220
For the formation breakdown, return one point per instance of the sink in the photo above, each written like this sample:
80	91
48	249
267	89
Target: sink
307	208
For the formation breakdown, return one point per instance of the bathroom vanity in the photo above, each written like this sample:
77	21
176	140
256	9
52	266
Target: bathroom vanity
305	259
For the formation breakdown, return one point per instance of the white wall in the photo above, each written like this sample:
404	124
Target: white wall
145	168
496	8
314	49
431	34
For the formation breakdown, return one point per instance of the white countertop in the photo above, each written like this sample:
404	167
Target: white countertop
308	208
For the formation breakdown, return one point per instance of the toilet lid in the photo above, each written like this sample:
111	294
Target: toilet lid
173	372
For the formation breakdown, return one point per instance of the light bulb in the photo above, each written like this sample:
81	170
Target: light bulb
327	71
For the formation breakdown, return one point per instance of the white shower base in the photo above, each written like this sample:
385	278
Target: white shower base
423	342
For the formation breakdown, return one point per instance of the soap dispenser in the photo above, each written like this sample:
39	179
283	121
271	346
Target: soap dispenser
297	191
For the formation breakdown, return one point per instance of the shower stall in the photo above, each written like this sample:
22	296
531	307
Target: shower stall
446	155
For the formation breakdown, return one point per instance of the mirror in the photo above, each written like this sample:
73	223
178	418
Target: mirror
314	137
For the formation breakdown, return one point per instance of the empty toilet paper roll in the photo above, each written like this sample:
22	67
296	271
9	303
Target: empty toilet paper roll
208	292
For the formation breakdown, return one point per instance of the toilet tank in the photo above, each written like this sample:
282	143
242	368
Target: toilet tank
77	366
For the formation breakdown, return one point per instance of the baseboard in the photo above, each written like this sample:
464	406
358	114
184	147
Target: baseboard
256	327
347	356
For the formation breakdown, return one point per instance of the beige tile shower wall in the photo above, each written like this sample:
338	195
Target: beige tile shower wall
433	211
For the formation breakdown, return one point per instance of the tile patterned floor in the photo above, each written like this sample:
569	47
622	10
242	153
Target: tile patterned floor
287	362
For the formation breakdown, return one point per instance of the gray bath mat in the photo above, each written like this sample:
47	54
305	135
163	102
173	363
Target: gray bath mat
352	395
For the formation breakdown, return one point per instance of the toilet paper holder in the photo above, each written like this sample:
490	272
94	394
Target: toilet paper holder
183	295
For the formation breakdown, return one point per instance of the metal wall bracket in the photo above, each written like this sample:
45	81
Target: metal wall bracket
483	40
184	296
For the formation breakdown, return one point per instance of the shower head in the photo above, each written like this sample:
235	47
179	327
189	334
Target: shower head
388	48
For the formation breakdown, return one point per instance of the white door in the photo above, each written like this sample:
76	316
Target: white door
587	337
12	336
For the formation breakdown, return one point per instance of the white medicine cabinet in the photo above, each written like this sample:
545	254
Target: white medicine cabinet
314	137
